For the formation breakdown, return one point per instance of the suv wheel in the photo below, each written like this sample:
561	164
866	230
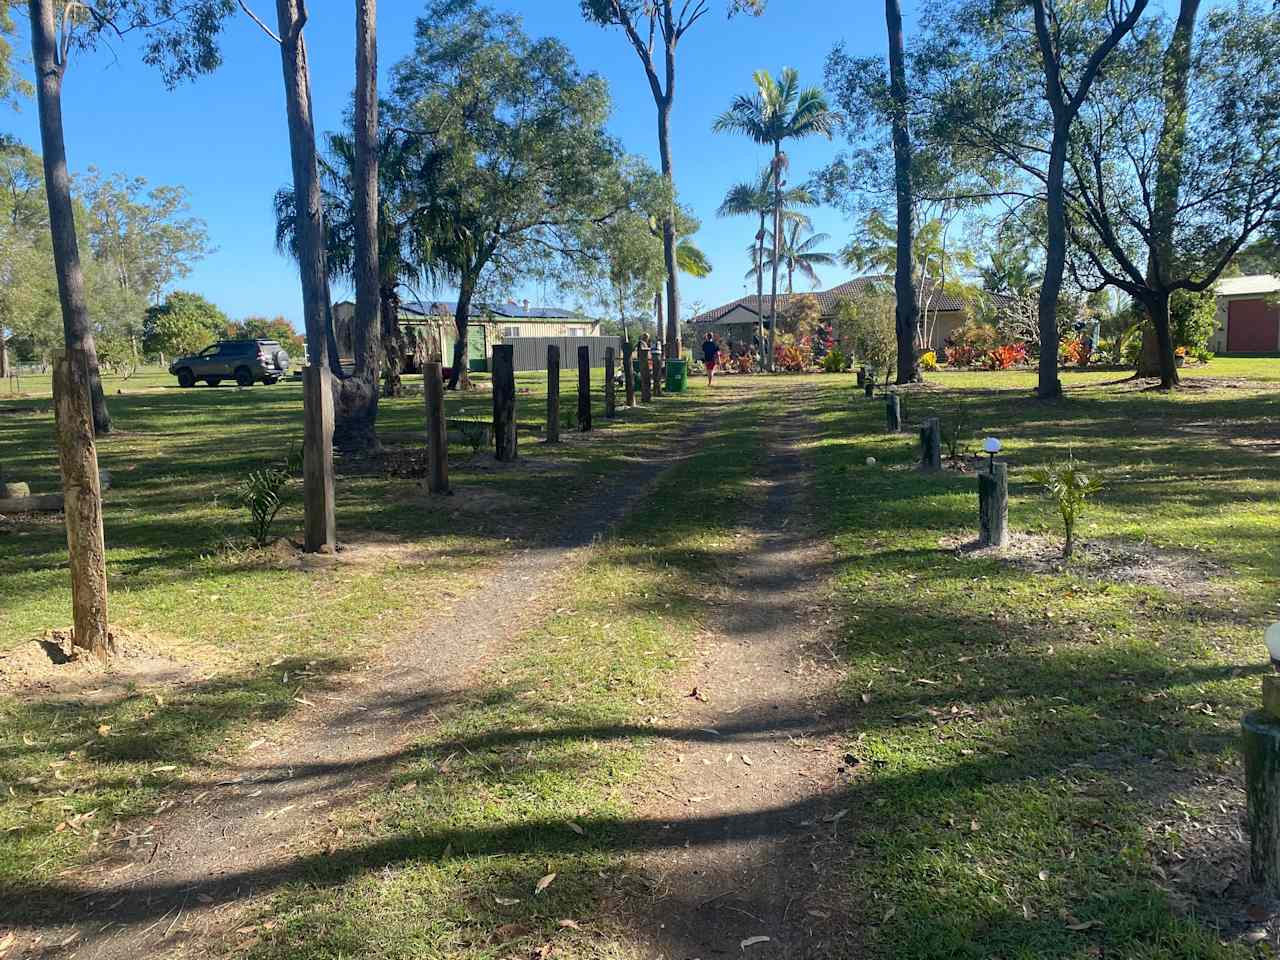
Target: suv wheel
213	381
186	378
244	376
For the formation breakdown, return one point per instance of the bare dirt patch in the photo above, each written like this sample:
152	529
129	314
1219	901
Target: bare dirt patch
50	667
1111	560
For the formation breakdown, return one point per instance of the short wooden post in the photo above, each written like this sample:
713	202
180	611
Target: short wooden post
646	375
869	386
504	402
610	389
628	374
862	376
659	366
82	494
437	428
931	444
893	412
1262	791
319	528
584	389
553	393
993	505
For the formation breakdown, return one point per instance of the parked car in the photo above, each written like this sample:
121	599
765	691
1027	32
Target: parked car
246	361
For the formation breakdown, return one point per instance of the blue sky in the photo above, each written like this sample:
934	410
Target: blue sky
224	136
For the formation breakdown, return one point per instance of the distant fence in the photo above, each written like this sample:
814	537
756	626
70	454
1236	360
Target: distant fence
531	352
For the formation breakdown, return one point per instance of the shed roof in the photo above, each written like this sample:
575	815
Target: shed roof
508	310
1241	286
827	299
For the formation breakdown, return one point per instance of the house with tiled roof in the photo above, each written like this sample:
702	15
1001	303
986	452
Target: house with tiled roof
738	319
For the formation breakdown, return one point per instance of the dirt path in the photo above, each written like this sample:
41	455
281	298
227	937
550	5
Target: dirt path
750	819
191	869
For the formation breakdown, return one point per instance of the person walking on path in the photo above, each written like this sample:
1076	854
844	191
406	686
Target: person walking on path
710	354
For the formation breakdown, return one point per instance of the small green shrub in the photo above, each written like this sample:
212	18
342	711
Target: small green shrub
836	362
957	431
1069	487
261	492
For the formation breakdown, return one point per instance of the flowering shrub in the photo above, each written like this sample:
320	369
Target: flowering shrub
742	364
962	355
789	358
928	361
1004	357
1073	351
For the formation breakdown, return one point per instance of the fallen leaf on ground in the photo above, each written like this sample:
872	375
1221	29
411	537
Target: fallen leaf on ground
6	942
866	698
1084	924
544	883
576	829
104	729
506	901
1255	936
1043	874
751	942
835	817
697	694
699	799
746	760
819	914
570	924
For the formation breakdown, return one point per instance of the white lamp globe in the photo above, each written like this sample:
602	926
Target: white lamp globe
991	445
1272	639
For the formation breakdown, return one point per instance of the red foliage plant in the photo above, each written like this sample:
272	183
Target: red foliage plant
1004	357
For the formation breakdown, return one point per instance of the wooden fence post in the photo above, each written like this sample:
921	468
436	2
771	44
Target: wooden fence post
628	374
646	375
931	444
993	505
504	402
319	528
893	412
437	428
658	367
862	375
82	496
1262	792
584	389
553	393
610	389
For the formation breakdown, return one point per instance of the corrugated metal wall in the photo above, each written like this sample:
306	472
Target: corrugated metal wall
530	353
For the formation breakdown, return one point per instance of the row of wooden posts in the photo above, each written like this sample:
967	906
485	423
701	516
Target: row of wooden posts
993	478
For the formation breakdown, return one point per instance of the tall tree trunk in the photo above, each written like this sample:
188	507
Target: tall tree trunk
777	232
462	320
394	345
659	327
4	356
907	311
760	282
1169	160
1048	384
76	372
356	413
672	332
309	225
76	328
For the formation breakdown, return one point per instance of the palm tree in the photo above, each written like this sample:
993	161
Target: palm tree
801	255
778	111
755	198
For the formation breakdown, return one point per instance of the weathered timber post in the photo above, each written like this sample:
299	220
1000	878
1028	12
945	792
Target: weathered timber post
553	393
1262	789
658	367
437	428
931	444
893	412
610	389
504	401
628	374
319	533
869	386
584	389
862	375
993	505
86	544
646	375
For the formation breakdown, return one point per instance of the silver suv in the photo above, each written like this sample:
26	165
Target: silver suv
245	361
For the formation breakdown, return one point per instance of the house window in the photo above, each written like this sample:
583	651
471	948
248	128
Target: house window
577	331
510	332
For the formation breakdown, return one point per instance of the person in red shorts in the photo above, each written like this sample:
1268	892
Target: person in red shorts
710	354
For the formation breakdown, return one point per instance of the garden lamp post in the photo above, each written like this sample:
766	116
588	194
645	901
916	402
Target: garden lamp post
993	499
991	446
1261	730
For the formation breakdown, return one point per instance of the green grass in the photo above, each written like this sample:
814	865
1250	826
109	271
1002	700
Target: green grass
1025	734
235	620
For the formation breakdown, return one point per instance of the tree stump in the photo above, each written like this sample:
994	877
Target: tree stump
993	505
86	545
1262	788
319	533
628	375
893	412
610	389
437	428
646	375
504	402
931	444
584	389
553	393
869	386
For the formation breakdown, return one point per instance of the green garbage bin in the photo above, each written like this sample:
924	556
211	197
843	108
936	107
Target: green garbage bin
677	376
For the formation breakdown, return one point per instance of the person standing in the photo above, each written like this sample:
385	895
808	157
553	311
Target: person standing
710	355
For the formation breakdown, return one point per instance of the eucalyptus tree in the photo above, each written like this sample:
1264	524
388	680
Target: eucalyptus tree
755	198
1175	164
646	23
779	111
527	165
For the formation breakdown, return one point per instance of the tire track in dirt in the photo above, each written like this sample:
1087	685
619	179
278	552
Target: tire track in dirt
230	840
752	831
